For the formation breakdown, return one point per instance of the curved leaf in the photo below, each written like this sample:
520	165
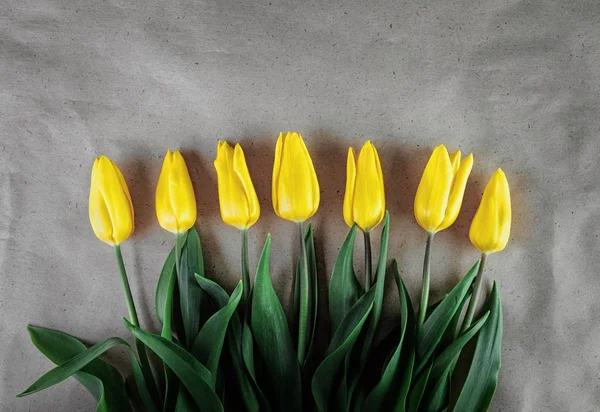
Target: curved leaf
102	380
270	330
480	385
193	375
163	280
73	365
395	372
443	366
313	303
430	335
414	399
236	343
344	288
342	342
365	344
209	342
190	294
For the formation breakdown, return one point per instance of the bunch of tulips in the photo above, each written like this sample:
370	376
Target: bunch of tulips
236	351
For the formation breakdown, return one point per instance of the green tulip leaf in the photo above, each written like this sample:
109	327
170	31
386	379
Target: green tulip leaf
416	394
344	338
430	335
313	294
272	336
185	402
191	373
480	384
344	288
313	303
209	342
354	371
395	380
102	380
74	364
190	294
165	274
252	396
215	292
443	365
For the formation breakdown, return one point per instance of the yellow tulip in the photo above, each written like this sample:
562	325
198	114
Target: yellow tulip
110	207
237	197
364	201
441	190
296	193
175	200
490	228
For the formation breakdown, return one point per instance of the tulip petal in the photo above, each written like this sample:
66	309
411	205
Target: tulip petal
350	186
457	192
432	194
276	173
241	169
296	193
98	212
117	202
381	187
175	200
490	229
455	160
110	208
369	195
164	210
125	190
181	193
227	184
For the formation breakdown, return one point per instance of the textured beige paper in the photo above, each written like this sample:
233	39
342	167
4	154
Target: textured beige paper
516	82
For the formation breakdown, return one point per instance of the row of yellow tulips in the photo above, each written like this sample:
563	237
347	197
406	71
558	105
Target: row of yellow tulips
296	193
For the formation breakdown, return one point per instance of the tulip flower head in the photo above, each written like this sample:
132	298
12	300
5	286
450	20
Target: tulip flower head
296	193
490	228
364	201
441	190
237	197
175	200
110	207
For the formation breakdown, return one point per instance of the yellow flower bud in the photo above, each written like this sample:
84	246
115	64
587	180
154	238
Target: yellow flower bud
110	207
490	228
364	201
296	193
441	190
237	197
175	200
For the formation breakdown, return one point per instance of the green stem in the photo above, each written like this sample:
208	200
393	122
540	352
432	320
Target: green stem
125	283
368	261
141	348
245	267
426	281
167	330
304	297
475	295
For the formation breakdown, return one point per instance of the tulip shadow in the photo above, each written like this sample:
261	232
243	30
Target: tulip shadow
259	151
329	153
402	175
138	171
473	193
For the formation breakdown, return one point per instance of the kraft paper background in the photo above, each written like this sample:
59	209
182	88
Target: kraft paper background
515	82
